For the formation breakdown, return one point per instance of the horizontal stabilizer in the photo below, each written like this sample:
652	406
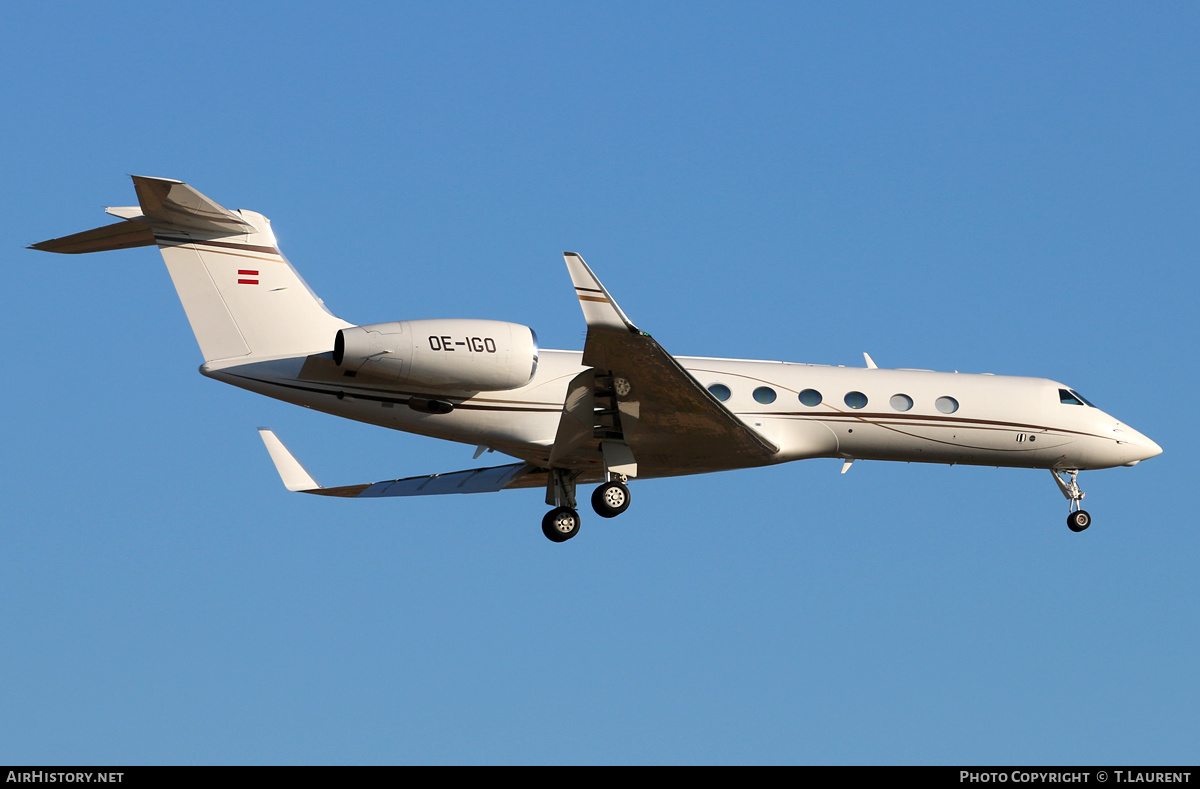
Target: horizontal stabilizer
166	201
121	235
479	480
166	204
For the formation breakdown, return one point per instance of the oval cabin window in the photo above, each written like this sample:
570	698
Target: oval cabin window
764	395
810	397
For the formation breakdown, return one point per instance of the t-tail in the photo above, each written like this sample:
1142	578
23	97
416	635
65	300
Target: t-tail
242	297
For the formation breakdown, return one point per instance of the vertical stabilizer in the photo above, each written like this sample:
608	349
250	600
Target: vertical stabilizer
242	296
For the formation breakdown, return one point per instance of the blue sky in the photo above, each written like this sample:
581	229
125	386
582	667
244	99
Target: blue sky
1008	189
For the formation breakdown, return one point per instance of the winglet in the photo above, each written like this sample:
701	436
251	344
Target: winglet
294	476
599	308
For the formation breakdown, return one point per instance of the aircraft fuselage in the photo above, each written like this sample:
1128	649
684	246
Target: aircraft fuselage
846	412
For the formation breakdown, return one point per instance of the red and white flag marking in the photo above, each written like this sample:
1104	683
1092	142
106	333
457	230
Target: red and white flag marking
245	274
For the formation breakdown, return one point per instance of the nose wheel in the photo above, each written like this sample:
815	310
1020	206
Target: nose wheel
1078	519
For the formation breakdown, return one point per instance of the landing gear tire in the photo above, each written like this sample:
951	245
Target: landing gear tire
560	524
1078	520
610	499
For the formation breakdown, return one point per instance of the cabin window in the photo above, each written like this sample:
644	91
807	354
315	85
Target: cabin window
856	400
810	397
947	405
720	391
901	402
764	395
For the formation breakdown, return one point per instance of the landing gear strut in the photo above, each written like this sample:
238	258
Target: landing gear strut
1078	519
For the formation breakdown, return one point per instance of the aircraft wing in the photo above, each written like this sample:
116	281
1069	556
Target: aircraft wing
660	420
479	480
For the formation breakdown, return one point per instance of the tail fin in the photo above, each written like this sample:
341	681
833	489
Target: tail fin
242	297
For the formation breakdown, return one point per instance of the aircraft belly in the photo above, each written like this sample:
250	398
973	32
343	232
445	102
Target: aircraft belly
488	421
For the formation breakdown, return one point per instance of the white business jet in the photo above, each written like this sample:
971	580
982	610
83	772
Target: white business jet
622	408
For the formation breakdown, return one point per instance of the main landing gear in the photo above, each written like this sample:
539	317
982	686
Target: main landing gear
562	523
1078	519
610	499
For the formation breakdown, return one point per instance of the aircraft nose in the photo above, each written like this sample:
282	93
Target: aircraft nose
1148	449
1140	448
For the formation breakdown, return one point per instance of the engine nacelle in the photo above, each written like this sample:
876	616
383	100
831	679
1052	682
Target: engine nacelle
485	356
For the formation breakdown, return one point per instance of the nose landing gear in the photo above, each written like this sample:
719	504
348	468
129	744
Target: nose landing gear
1078	519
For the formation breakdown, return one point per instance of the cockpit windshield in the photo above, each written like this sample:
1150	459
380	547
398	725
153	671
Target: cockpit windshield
1071	397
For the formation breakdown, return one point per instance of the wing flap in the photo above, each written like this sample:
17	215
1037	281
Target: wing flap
478	480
